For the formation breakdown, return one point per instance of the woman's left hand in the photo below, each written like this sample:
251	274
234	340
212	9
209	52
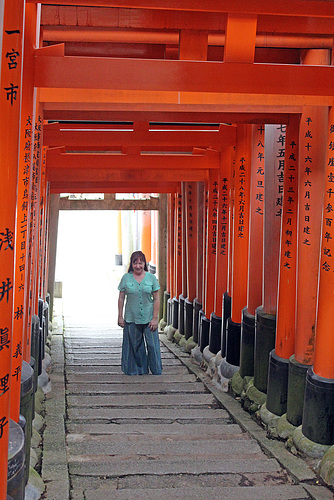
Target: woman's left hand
153	324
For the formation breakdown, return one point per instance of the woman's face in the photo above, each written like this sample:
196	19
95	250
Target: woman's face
138	266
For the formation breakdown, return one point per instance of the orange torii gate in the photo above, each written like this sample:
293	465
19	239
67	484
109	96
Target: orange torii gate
164	89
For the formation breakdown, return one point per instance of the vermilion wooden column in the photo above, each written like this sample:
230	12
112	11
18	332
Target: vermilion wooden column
191	254
34	228
146	235
198	301
277	393
318	411
211	253
184	292
226	306
10	97
222	230
312	158
266	314
23	215
240	241
311	183
154	240
178	258
221	272
254	287
170	262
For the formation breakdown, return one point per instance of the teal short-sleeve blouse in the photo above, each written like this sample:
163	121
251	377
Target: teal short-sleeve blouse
139	298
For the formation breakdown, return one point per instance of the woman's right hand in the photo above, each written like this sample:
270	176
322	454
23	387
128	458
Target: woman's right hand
121	321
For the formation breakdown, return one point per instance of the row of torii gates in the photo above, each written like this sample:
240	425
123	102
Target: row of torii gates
247	197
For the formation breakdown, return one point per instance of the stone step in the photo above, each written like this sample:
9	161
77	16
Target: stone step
178	414
150	400
116	369
282	492
113	361
165	432
129	388
210	449
114	353
103	378
173	466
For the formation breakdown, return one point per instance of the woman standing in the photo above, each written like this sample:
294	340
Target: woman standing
140	321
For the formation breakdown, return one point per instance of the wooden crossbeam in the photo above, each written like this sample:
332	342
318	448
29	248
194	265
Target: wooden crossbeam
302	8
120	162
134	178
182	76
226	135
113	187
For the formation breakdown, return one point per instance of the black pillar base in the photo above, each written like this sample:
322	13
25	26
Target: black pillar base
165	307
26	408
226	314
277	384
16	461
247	344
181	314
296	391
204	331
265	333
175	313
188	318
197	306
318	414
169	311
233	333
215	333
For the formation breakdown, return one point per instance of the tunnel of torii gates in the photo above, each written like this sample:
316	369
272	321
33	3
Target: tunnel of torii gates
239	149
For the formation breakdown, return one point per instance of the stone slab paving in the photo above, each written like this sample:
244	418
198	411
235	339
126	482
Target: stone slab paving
154	437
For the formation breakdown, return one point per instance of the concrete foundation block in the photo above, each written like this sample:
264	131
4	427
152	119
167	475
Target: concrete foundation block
35	487
38	423
33	458
36	439
207	354
237	384
284	428
169	332
182	342
226	369
47	360
43	379
162	325
177	337
197	355
326	468
305	445
253	399
190	344
267	417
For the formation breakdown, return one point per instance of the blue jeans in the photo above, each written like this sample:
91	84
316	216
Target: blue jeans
140	350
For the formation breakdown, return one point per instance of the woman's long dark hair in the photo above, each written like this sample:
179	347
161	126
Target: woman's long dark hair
137	255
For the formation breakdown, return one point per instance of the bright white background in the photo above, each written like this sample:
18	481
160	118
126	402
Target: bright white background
86	248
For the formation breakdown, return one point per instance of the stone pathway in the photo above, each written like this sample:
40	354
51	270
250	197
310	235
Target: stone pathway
156	437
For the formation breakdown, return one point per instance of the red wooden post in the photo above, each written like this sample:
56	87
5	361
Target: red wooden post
211	253
277	399
318	411
240	241
10	98
23	216
254	288
191	259
266	314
